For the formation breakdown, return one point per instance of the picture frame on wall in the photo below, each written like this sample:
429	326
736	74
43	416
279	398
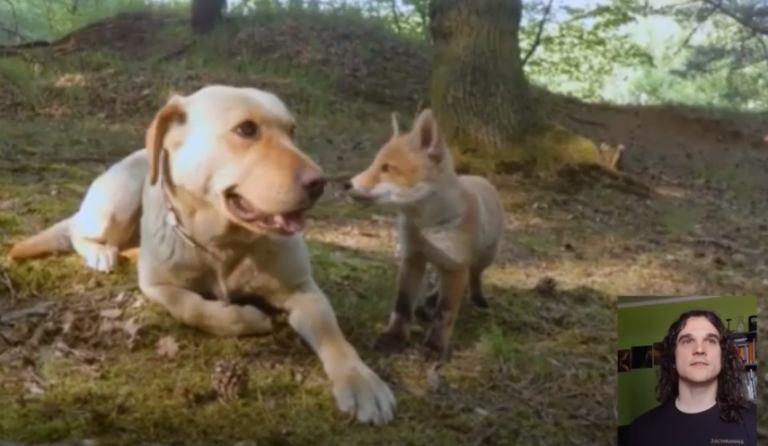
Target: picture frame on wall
658	352
625	363
642	357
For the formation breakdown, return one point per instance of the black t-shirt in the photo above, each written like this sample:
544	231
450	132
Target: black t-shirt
666	425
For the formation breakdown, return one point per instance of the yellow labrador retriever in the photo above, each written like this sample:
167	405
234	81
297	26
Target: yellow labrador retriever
218	198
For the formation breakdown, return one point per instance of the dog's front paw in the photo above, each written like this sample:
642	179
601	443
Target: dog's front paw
359	391
102	259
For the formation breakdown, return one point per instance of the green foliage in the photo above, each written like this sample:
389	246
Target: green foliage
597	52
48	19
579	53
722	64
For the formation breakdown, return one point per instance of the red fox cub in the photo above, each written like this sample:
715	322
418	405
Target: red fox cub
453	222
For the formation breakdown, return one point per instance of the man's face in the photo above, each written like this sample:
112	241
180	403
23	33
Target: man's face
697	356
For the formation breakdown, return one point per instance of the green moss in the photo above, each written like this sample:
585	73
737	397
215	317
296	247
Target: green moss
553	148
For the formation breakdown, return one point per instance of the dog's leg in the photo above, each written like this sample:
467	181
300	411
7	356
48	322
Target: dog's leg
410	285
97	256
212	316
357	388
453	289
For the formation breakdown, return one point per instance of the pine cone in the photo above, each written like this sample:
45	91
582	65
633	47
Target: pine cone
229	379
546	287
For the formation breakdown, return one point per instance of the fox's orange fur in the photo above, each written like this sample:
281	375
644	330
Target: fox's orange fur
455	222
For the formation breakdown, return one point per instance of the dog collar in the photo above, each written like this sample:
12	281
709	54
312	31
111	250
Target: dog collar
172	219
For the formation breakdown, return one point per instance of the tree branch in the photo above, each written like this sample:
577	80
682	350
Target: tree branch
14	32
740	19
537	39
700	23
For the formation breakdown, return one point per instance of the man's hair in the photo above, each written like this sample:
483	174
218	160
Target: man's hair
731	396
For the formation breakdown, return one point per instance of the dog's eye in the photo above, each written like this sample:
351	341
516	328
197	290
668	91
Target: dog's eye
386	167
292	132
247	129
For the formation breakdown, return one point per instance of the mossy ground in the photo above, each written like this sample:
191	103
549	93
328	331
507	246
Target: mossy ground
537	369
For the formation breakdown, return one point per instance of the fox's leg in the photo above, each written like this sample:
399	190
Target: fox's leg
410	285
425	309
453	289
476	294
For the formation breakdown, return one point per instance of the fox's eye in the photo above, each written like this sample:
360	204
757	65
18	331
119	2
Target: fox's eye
386	167
247	129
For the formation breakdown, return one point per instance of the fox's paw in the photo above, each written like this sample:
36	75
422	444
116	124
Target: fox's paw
435	345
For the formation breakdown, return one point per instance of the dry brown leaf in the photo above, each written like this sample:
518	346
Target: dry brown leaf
108	325
121	297
132	327
167	347
34	384
433	377
111	313
67	320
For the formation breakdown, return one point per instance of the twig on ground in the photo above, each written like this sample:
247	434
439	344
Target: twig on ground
177	52
6	280
485	436
41	309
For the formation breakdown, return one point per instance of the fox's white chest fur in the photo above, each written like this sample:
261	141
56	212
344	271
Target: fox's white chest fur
454	227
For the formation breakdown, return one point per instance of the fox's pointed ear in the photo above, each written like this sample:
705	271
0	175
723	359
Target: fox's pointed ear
172	112
395	124
428	136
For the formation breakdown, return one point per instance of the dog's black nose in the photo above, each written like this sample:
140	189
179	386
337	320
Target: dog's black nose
315	188
347	185
313	183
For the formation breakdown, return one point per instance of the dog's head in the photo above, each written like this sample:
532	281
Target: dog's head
233	149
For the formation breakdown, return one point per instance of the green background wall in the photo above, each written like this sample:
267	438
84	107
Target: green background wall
648	324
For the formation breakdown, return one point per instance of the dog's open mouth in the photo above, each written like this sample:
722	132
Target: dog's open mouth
286	223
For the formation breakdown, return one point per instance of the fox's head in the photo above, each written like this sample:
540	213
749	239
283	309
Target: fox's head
407	169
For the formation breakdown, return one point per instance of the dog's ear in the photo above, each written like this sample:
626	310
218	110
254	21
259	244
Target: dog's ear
172	112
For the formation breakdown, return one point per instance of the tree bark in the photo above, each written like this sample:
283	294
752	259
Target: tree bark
206	14
481	96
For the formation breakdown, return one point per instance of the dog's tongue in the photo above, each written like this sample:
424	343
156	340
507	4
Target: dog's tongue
290	222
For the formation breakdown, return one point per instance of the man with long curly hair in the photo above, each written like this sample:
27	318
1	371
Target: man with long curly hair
700	388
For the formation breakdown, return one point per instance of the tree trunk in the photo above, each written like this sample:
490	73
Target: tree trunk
206	14
482	98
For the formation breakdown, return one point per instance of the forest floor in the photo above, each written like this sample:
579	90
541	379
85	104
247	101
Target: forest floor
82	356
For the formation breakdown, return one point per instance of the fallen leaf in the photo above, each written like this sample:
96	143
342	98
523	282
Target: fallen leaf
121	297
34	384
108	325
167	347
112	313
132	327
433	377
67	320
